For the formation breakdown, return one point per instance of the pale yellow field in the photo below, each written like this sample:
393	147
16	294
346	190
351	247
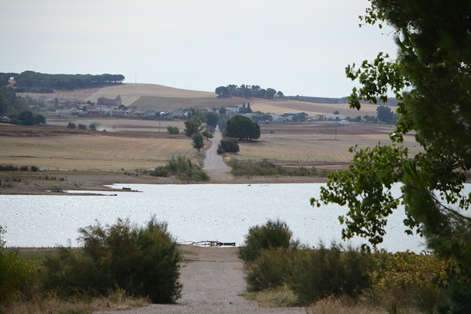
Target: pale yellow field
282	106
91	152
122	125
131	92
313	149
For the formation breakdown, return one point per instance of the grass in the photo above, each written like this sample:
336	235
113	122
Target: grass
52	304
303	145
85	152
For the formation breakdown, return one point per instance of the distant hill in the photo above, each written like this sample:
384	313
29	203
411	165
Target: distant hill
160	97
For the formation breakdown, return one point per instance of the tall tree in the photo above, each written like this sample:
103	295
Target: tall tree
431	80
242	128
198	141
195	124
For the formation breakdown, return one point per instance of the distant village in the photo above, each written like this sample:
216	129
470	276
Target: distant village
108	107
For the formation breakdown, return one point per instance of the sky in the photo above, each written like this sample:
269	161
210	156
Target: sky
300	47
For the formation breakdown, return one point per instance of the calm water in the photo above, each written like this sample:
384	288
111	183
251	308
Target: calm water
193	213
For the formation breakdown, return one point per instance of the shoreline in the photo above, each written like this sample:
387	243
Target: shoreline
55	182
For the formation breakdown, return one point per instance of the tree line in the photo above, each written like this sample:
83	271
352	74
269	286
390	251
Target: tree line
248	91
30	81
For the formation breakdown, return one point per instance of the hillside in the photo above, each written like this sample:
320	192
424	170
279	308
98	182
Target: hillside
159	97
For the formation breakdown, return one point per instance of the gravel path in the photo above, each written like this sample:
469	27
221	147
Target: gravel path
212	283
213	163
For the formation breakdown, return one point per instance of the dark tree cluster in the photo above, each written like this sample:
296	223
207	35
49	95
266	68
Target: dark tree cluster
15	108
35	81
247	91
242	128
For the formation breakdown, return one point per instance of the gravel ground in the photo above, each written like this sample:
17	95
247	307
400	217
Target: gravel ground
212	283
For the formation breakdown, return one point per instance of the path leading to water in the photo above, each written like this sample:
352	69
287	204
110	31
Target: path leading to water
213	281
214	165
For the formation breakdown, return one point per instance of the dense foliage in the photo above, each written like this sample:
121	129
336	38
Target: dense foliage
247	91
11	104
15	273
198	141
172	129
143	261
402	282
430	79
272	235
228	145
242	128
195	124
30	79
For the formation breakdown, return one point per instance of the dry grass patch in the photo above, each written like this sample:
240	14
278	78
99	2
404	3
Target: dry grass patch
131	92
117	301
91	152
311	144
122	125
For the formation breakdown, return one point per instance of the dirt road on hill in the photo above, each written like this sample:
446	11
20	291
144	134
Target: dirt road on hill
212	283
214	165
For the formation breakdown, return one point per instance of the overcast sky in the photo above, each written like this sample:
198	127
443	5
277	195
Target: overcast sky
300	47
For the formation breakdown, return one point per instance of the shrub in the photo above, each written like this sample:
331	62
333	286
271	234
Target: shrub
268	271
172	130
82	126
71	125
34	168
142	261
8	168
220	150
24	168
272	235
229	145
15	274
160	172
333	271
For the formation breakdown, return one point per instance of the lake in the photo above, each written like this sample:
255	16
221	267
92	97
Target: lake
203	212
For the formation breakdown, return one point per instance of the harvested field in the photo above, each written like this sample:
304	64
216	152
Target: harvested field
122	125
65	149
323	145
129	93
282	106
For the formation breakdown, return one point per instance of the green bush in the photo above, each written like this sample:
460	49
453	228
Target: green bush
334	271
268	271
16	274
229	145
143	261
160	172
272	235
220	150
172	129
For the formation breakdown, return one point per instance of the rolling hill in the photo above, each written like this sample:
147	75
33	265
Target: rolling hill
160	97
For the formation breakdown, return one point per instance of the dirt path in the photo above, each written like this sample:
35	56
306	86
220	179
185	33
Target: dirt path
212	283
214	165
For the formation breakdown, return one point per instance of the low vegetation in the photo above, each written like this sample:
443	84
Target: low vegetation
228	145
266	168
282	272
121	263
181	167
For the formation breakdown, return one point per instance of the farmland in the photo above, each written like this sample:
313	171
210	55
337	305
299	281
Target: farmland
121	147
